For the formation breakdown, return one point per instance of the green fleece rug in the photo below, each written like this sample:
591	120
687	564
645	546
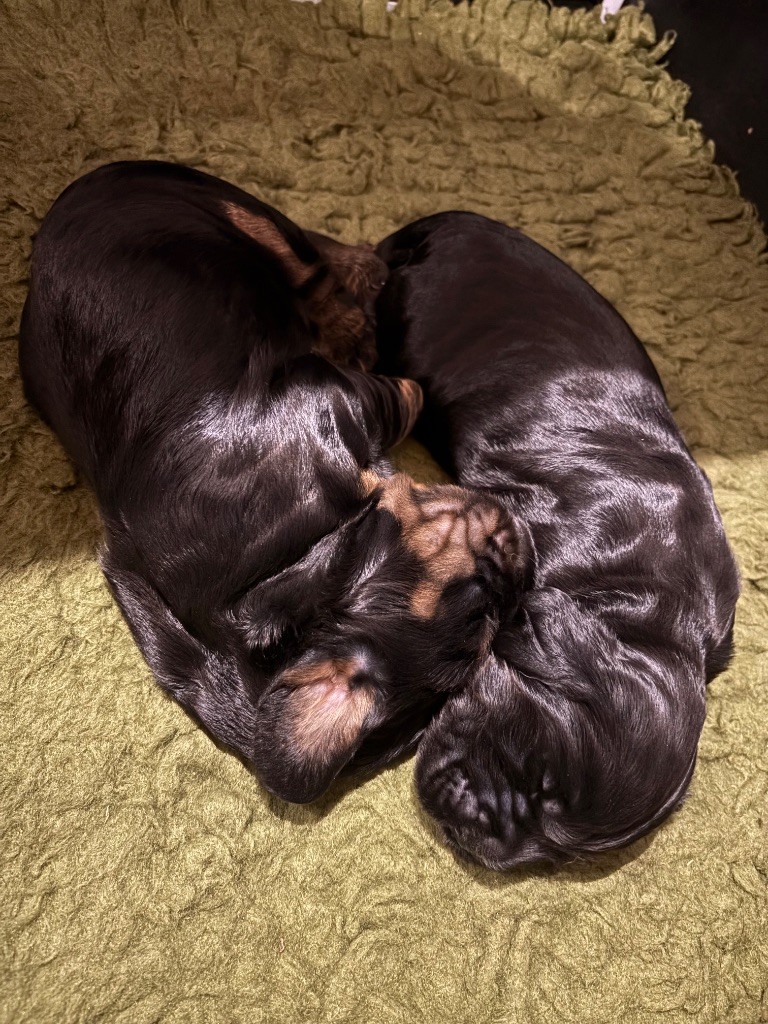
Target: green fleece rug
145	876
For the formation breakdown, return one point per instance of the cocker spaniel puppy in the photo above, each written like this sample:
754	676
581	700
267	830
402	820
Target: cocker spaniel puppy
200	357
579	730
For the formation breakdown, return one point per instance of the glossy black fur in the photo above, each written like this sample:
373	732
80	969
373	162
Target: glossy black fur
173	357
579	732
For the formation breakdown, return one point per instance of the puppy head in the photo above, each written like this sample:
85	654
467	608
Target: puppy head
399	618
585	748
312	720
453	535
336	285
357	267
343	308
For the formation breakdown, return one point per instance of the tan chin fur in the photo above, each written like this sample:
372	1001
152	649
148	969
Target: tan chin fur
328	712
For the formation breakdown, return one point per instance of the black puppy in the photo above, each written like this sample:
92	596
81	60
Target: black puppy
273	572
579	731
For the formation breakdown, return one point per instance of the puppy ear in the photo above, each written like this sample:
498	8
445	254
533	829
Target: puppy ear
310	725
211	689
327	277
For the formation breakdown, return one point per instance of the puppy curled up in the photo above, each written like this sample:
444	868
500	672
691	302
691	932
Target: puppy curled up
579	731
201	359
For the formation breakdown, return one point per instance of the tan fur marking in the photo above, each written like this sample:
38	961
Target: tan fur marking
370	481
425	599
358	267
447	528
328	712
412	398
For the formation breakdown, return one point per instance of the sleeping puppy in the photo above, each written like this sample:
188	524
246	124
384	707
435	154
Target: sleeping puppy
178	337
579	731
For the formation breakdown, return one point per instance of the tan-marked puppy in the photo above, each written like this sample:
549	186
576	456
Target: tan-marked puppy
198	355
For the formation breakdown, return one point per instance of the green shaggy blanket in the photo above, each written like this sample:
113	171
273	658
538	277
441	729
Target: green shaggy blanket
145	876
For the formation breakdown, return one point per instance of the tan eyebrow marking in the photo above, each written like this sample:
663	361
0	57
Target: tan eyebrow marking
369	481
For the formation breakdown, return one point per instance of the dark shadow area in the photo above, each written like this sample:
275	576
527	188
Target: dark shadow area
346	783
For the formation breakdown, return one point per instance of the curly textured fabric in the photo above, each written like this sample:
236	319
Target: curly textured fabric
145	876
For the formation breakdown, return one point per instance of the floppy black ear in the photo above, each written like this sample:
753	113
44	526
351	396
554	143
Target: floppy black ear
567	740
205	684
311	723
